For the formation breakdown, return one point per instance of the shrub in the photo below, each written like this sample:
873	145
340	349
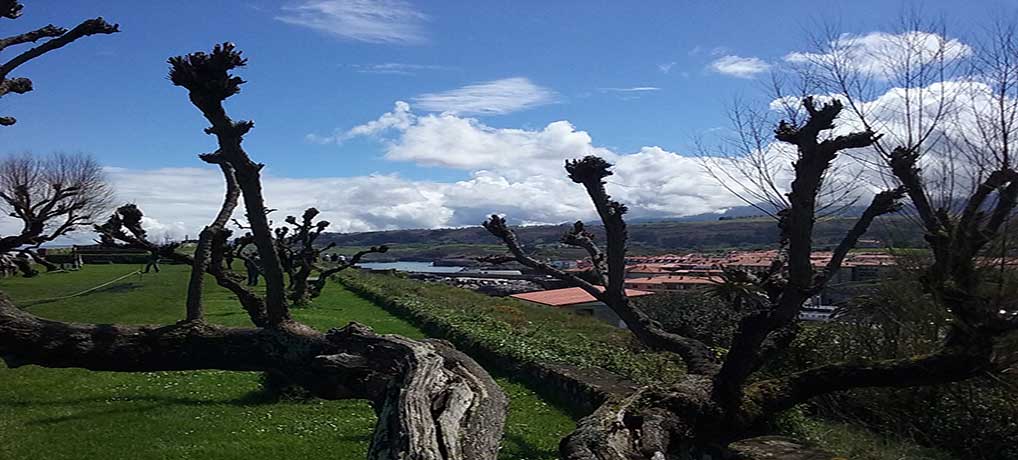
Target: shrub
522	332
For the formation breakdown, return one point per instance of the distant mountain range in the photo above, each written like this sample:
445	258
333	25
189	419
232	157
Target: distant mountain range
736	229
738	212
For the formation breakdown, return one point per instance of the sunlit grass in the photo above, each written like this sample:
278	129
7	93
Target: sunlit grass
76	414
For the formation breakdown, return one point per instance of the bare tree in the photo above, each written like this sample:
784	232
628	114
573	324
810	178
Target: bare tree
721	400
57	37
724	399
51	196
432	401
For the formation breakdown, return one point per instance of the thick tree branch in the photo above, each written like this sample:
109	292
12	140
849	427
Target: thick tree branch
796	223
579	236
1006	200
883	203
60	38
497	226
203	250
35	257
904	166
699	358
950	364
323	276
33	36
209	82
590	171
86	28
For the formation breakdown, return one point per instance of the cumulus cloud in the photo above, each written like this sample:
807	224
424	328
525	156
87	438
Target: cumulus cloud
452	141
741	67
494	97
399	118
388	201
882	55
371	21
464	143
515	172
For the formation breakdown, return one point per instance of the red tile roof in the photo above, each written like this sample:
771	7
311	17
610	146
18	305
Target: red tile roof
567	296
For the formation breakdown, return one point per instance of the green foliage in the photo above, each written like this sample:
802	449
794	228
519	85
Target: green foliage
849	441
898	320
73	414
696	314
895	319
520	331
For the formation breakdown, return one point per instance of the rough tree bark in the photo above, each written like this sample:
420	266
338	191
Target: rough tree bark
432	401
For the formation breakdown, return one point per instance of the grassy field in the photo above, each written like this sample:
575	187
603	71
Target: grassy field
76	414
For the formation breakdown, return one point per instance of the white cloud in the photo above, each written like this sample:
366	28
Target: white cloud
399	118
658	183
742	67
631	93
451	141
464	143
883	55
634	89
371	21
494	97
653	182
516	172
396	68
666	67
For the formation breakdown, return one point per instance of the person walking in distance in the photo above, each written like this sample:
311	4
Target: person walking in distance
153	262
251	264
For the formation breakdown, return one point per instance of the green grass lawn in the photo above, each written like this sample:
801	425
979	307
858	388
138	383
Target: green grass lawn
77	414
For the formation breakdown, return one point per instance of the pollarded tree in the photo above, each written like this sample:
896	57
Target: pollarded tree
432	401
57	37
722	399
300	257
725	398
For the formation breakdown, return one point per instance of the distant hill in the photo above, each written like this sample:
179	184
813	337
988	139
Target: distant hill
644	237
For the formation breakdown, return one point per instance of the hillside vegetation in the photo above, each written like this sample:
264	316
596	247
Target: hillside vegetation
644	238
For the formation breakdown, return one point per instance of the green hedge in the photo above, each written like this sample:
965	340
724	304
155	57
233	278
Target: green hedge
534	342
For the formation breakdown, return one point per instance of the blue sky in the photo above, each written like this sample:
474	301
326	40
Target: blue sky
629	75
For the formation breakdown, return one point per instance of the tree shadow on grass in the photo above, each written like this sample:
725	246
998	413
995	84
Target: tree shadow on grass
252	399
351	437
127	405
114	289
225	314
